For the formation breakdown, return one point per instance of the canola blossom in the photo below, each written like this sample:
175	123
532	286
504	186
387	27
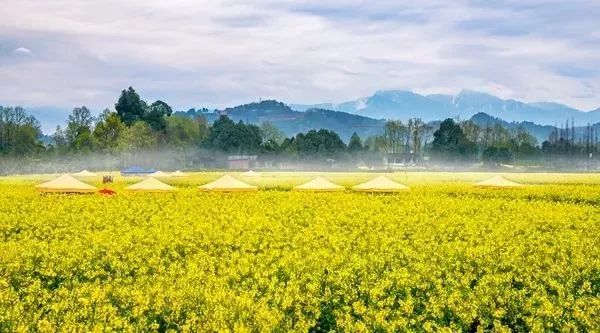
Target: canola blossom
444	256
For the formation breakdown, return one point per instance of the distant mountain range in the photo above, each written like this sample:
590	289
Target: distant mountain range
292	122
399	104
365	116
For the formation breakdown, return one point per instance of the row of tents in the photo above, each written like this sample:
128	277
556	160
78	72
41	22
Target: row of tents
139	171
69	184
161	174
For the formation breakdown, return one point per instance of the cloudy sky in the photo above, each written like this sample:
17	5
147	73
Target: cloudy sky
214	53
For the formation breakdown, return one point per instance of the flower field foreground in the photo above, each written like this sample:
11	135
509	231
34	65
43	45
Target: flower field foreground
442	256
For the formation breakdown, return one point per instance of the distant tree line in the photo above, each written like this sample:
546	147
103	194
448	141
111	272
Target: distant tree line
493	144
135	127
19	133
566	142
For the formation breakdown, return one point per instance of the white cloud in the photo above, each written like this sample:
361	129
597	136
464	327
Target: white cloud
217	53
22	51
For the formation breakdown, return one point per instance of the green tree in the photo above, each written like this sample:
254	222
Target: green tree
355	145
19	132
270	133
108	131
59	140
227	136
471	131
251	137
222	135
318	144
184	132
450	142
524	145
137	138
497	155
130	107
155	116
79	129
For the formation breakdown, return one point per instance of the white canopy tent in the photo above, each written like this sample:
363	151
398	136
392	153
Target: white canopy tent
228	184
319	185
150	184
65	184
380	184
497	182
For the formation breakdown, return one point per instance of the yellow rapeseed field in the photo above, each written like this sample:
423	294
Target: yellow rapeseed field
444	256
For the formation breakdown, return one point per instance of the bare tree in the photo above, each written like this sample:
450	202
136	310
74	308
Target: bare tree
393	140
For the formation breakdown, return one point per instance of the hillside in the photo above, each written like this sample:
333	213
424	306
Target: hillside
292	122
540	132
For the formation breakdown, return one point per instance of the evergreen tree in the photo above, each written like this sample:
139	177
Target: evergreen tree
130	107
355	144
155	116
450	142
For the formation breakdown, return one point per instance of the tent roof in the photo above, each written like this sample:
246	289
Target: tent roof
380	184
65	184
134	169
319	184
227	184
251	174
84	173
497	181
150	185
160	174
178	174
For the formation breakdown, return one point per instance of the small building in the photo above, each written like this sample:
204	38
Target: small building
241	162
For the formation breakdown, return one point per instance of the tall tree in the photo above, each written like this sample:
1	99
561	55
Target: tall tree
497	155
130	107
318	144
355	144
251	137
79	129
19	132
223	136
240	138
450	142
59	140
107	131
472	132
155	116
418	132
393	140
136	139
184	132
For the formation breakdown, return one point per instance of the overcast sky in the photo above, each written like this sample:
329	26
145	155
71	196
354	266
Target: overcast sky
216	53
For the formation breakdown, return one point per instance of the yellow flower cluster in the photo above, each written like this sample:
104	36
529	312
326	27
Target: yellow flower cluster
441	257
